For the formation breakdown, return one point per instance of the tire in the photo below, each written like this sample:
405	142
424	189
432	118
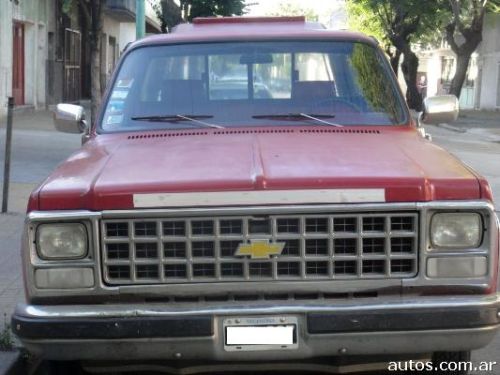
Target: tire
58	368
455	357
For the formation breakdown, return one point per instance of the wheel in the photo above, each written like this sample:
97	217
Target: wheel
458	363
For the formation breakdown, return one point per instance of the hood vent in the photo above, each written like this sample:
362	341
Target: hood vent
163	135
257	131
341	130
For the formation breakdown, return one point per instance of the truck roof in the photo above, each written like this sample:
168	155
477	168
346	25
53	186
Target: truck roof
250	28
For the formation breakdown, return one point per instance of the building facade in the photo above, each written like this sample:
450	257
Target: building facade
45	52
488	65
481	89
24	30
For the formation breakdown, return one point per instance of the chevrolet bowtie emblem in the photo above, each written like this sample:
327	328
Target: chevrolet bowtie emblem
260	249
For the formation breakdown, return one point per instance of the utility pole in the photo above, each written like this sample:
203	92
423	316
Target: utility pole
8	146
140	19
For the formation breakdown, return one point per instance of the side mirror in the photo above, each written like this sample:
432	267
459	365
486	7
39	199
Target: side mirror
439	109
70	118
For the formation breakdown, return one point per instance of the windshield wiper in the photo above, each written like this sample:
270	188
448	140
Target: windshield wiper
315	117
176	118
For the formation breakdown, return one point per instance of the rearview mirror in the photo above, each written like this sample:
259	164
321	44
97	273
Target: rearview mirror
70	118
440	109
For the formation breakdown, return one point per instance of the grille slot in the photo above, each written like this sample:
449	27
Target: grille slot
145	229
117	230
147	271
146	250
117	250
260	269
345	246
174	250
204	270
315	247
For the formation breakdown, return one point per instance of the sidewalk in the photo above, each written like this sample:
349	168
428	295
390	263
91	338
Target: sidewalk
485	125
38	120
470	119
36	149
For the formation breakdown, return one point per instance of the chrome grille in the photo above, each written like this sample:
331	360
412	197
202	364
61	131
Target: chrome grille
316	247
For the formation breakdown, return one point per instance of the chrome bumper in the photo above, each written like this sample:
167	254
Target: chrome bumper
160	331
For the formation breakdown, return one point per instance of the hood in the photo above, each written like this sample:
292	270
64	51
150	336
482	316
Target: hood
112	170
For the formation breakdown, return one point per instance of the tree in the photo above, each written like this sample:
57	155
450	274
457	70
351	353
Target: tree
399	23
207	8
93	14
289	9
167	12
464	33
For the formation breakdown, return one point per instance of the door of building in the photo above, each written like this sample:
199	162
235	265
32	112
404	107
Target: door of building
72	65
18	63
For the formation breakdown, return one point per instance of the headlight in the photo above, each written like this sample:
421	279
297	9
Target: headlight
62	241
456	230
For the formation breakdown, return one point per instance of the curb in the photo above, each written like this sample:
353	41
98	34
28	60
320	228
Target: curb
452	128
10	363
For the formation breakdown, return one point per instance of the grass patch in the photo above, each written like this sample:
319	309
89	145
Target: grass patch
6	339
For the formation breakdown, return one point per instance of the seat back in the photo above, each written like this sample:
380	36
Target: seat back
312	90
182	93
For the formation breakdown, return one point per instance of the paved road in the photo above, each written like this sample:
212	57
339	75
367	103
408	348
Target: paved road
481	150
38	149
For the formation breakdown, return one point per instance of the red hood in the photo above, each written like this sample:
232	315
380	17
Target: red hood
110	169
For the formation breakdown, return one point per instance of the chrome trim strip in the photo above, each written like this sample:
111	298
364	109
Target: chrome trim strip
257	210
224	198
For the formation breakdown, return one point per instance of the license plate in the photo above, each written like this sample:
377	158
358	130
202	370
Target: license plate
260	333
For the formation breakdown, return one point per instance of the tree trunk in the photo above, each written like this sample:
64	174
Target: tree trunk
95	84
394	58
460	74
410	68
97	11
472	36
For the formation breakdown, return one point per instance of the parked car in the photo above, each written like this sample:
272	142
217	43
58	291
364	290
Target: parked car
318	228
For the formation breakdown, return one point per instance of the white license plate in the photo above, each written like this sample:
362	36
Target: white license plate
274	335
260	333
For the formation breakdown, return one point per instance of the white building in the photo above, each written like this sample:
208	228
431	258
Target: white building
488	65
24	30
339	18
45	53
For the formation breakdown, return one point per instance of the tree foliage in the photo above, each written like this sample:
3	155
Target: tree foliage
290	9
207	8
373	81
158	9
398	24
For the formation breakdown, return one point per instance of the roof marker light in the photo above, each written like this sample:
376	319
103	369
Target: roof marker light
236	20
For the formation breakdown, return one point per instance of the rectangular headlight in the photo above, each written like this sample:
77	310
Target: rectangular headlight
62	241
456	230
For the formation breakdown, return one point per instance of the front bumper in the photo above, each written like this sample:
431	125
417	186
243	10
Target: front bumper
160	331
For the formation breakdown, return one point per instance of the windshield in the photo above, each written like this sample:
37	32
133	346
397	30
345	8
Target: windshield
253	84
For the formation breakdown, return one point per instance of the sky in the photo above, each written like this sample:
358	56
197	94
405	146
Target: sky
321	7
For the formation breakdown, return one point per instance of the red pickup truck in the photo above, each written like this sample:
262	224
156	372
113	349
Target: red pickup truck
254	192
